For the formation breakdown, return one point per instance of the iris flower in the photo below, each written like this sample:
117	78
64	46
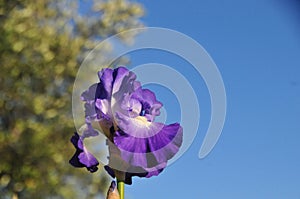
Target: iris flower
125	112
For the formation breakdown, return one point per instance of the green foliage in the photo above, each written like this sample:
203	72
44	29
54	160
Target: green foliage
42	44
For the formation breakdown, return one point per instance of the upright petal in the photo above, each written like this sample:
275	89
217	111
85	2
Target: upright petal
151	107
123	81
106	80
97	104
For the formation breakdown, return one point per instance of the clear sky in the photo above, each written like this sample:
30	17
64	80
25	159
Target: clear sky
256	46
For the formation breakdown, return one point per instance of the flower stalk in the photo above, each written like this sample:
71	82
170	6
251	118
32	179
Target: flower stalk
121	189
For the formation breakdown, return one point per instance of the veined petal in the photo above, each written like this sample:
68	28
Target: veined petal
123	171
161	143
119	168
138	127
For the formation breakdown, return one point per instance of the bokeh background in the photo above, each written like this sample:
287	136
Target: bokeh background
255	44
42	46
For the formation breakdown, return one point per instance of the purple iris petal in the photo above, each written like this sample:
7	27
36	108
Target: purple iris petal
124	81
90	112
88	131
119	168
148	100
106	80
82	158
97	97
149	151
123	171
154	171
97	105
89	95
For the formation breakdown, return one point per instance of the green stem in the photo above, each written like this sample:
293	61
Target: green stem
121	189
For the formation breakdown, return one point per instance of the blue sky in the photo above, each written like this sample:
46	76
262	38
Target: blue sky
256	46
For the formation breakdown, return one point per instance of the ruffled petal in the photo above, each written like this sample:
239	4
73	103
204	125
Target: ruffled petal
88	131
147	145
108	94
89	94
106	80
90	112
82	158
124	81
150	105
155	171
119	168
97	97
94	109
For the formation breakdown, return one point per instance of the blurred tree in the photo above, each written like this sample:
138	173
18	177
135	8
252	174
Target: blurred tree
42	44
